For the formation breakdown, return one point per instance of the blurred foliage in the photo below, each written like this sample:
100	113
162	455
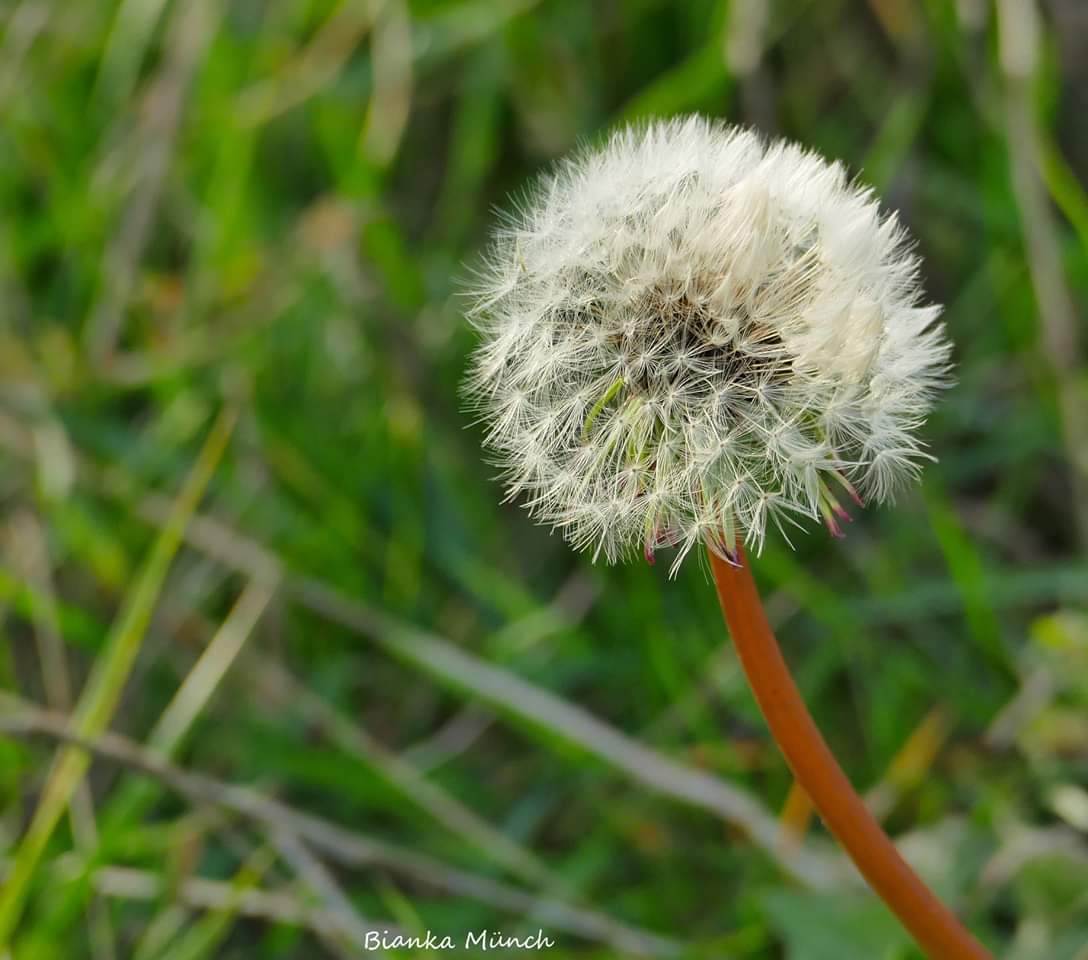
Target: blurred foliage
266	206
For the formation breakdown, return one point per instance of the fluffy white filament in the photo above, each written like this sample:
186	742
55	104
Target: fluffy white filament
690	332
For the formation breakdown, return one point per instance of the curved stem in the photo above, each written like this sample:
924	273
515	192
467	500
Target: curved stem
932	924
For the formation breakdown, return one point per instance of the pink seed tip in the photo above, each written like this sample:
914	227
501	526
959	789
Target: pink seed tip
834	529
648	553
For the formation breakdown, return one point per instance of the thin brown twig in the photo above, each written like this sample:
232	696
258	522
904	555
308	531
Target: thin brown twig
201	893
351	927
20	718
280	687
513	695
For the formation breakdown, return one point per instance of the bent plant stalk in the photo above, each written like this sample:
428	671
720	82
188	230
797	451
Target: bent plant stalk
930	922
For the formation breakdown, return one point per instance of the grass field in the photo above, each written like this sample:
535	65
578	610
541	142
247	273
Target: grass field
252	557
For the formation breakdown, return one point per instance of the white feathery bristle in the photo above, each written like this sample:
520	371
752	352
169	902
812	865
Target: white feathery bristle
690	332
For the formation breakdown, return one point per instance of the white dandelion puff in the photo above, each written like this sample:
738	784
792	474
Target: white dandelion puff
690	333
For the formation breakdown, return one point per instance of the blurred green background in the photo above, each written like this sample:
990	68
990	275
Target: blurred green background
246	528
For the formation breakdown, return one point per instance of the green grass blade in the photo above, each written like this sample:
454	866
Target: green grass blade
107	680
204	937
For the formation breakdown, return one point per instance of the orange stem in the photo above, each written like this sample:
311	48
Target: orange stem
929	921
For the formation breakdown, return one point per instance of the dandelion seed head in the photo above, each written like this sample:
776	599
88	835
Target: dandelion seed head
690	332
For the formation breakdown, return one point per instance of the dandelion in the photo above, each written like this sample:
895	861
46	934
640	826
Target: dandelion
689	334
